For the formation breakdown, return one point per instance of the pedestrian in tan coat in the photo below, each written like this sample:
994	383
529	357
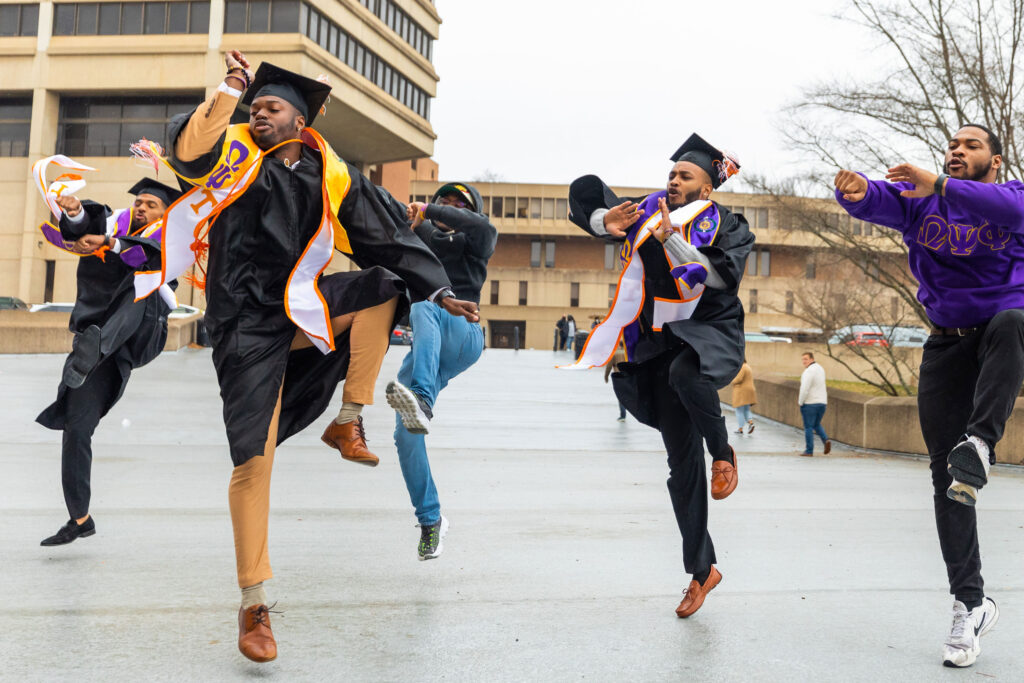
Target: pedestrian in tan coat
744	395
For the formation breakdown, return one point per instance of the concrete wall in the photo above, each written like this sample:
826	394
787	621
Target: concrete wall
879	422
24	332
777	358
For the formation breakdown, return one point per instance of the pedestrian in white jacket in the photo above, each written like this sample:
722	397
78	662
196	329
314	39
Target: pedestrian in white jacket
813	400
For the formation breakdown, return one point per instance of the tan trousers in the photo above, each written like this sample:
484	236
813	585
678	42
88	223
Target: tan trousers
249	490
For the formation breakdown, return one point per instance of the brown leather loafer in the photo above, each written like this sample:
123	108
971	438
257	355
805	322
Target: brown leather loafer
350	439
724	478
828	447
694	596
255	639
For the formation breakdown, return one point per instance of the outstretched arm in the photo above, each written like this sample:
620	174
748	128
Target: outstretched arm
874	201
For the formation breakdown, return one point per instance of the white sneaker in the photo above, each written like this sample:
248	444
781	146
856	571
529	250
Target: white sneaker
963	645
413	410
962	493
968	462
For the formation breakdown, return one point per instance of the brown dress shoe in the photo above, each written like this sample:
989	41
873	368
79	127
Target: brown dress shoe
724	478
828	447
350	439
694	596
255	639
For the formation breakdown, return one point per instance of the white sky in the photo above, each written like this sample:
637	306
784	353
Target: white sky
545	91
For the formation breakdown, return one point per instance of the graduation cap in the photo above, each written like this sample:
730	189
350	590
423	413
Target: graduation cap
305	94
717	164
456	189
164	193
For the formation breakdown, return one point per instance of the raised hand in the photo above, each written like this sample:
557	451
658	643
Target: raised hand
414	213
621	218
70	205
234	59
86	244
853	185
923	181
664	229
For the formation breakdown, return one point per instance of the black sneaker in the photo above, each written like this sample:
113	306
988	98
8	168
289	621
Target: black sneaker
70	532
414	411
85	354
431	535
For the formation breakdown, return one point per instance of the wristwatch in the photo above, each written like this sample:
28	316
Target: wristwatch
444	294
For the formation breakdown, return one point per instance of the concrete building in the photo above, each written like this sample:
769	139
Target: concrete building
545	267
86	79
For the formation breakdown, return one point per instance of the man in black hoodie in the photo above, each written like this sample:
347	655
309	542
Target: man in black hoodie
461	236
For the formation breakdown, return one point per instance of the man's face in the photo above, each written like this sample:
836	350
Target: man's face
806	360
146	209
272	121
969	156
686	182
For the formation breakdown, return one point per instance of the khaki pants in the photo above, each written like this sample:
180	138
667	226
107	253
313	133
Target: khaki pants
249	490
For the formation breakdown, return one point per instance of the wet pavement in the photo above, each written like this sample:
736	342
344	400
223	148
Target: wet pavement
563	560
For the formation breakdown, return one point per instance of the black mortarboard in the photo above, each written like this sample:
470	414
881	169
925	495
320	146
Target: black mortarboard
149	186
717	164
305	94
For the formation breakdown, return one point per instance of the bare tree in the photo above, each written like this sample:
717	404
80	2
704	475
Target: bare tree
488	176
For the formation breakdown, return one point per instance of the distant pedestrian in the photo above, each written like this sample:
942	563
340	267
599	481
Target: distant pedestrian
813	400
562	328
612	366
570	331
744	395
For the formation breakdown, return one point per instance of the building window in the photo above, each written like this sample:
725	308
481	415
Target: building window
496	207
867	229
574	294
400	22
609	256
131	18
789	303
548	209
521	207
765	267
535	208
561	209
106	126
752	306
535	254
510	207
549	254
51	271
895	308
19	20
855	227
611	294
334	39
15	125
810	272
494	292
752	263
761	220
523	285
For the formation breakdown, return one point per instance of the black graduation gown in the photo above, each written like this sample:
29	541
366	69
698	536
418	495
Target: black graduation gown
133	333
714	331
254	245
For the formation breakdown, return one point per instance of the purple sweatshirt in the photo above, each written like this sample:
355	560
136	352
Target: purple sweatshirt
966	249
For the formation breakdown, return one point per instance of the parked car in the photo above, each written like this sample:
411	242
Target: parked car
761	337
401	336
898	335
51	307
12	303
868	339
183	311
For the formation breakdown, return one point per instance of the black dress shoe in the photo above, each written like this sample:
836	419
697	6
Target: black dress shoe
70	532
85	355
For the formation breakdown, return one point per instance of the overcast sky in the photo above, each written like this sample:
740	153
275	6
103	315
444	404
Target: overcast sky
547	90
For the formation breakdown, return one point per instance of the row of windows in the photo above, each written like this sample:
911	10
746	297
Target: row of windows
19	20
339	43
106	126
524	288
15	125
261	16
533	208
402	24
130	18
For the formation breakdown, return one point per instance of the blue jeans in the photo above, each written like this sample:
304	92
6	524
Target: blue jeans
443	347
812	414
742	415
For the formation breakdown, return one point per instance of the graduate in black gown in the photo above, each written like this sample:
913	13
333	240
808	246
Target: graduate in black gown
683	329
273	381
113	333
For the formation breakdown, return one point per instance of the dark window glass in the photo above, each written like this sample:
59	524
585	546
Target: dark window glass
325	33
101	140
144	110
284	16
523	288
10	19
87	13
810	273
766	263
234	16
177	17
156	17
494	292
110	18
496	207
131	18
549	255
199	17
259	16
752	306
535	254
105	109
15	124
574	294
64	20
29	20
106	126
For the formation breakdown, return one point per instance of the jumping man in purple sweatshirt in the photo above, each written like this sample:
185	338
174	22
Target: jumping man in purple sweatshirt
965	237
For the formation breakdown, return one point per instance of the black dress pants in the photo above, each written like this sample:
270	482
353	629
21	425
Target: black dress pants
84	407
967	385
687	405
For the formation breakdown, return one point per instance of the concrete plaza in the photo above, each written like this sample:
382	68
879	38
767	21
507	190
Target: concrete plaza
563	560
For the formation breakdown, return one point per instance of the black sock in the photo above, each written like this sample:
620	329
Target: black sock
726	457
701	577
971	604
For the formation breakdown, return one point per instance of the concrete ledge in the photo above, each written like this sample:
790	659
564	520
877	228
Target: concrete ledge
24	332
878	422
